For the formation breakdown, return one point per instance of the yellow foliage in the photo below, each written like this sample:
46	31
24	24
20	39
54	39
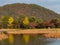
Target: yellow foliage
11	38
26	38
26	21
10	20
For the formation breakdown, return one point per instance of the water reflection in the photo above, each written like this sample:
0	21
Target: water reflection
34	40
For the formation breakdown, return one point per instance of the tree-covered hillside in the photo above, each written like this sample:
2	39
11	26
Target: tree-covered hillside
28	16
28	10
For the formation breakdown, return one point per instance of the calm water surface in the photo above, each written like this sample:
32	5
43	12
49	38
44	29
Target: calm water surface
34	40
55	42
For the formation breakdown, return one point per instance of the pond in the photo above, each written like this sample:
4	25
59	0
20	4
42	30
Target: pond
33	40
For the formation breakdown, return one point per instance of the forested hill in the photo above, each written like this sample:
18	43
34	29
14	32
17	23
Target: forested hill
29	10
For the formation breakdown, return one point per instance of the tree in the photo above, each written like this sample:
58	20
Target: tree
25	22
19	21
56	22
10	21
39	23
32	19
5	21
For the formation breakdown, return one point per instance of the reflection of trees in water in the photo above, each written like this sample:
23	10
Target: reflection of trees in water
34	40
4	42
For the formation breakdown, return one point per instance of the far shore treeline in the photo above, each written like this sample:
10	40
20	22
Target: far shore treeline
25	22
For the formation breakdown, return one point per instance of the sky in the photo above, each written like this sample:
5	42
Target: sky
50	4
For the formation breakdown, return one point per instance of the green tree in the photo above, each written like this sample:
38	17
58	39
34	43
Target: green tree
39	23
32	19
5	21
20	21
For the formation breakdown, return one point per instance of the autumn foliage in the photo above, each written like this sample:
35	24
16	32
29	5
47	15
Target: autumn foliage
24	22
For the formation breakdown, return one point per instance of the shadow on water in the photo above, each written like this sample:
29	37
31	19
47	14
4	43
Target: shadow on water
34	40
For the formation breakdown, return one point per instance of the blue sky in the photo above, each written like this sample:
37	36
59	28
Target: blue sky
50	4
